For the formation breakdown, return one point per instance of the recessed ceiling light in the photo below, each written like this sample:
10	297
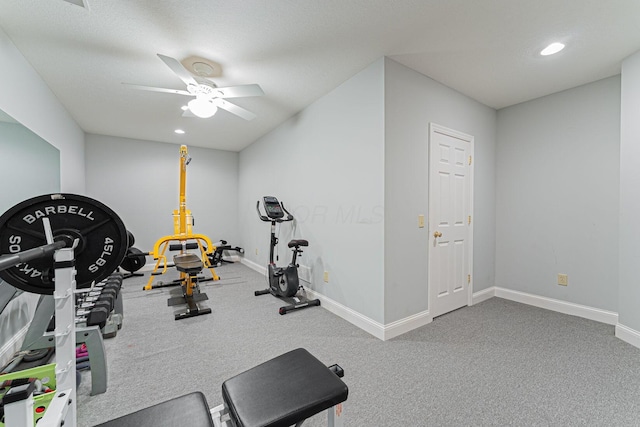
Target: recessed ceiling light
179	131
551	49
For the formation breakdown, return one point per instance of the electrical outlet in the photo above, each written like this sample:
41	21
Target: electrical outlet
256	251
563	280
326	276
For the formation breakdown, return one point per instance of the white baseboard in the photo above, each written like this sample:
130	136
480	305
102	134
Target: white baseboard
628	335
399	327
604	316
623	332
377	329
361	321
483	295
254	266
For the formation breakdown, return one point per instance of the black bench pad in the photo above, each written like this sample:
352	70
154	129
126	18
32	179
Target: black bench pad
282	391
189	410
188	263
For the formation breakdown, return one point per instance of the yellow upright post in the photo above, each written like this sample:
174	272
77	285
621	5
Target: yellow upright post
182	231
187	280
182	206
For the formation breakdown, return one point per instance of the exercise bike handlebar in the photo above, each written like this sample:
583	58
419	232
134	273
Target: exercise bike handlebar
289	216
262	217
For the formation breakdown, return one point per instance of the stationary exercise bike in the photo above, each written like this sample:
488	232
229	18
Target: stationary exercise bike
283	281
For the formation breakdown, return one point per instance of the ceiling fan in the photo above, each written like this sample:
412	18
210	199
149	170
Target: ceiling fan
207	96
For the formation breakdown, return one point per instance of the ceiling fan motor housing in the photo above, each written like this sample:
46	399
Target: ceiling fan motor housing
201	89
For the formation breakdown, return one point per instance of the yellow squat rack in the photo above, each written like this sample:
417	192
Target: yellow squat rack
184	238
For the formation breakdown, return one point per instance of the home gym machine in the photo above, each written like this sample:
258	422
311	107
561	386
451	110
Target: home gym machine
283	281
188	264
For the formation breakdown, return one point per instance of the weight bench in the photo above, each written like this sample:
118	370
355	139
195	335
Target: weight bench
281	392
189	410
189	265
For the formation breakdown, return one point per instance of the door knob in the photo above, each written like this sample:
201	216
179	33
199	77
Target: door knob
437	234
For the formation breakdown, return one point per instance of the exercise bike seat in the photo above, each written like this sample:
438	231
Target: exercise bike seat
299	242
188	263
282	391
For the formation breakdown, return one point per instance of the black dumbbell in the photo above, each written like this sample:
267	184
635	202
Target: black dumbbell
108	295
95	316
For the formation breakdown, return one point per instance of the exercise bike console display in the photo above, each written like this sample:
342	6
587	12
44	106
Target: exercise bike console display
272	207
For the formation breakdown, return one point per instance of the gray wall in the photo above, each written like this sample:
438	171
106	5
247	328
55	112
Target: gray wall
30	165
629	291
25	97
412	101
327	165
557	195
139	180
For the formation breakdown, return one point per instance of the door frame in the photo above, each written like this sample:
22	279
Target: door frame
436	128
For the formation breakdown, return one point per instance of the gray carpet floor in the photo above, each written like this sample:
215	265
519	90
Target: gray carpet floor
498	363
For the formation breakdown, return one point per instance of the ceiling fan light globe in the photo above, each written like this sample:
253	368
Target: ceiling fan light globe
203	108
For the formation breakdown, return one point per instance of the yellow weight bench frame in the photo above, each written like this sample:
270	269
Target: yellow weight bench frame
183	234
205	247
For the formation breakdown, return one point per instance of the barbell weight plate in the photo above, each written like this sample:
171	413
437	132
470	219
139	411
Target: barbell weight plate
101	233
134	260
131	239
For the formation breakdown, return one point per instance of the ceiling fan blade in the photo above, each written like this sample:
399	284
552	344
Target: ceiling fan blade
233	108
158	89
238	91
177	68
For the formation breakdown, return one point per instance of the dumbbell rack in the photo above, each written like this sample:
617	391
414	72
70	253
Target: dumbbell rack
37	338
87	234
101	305
62	409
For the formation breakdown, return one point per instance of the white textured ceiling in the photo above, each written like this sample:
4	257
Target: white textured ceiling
298	50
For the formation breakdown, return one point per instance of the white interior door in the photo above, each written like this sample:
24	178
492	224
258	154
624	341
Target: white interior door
450	219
